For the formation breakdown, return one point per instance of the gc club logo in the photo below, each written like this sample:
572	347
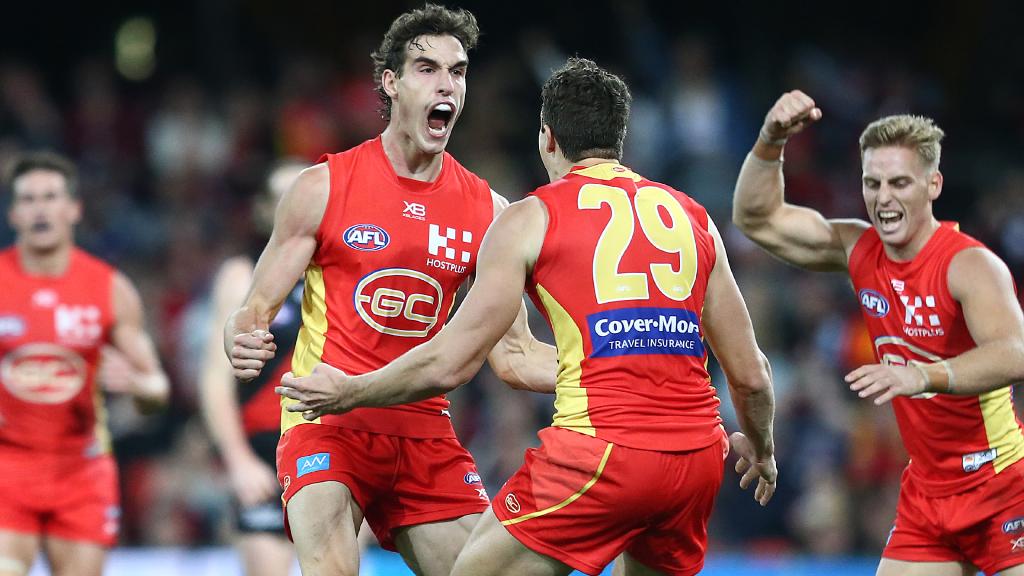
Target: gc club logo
366	237
399	301
872	301
43	373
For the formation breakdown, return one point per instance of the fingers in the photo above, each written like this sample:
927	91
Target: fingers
289	392
742	465
748	477
790	114
765	491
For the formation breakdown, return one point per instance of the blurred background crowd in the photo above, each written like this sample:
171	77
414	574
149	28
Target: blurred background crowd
175	113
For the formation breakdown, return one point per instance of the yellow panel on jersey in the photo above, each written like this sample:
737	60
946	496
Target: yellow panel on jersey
608	171
1001	427
571	407
309	346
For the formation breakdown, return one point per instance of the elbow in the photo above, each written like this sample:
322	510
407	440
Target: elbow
755	378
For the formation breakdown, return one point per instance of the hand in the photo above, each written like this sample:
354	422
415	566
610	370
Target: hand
790	114
116	374
252	480
750	467
888	381
324	391
250	352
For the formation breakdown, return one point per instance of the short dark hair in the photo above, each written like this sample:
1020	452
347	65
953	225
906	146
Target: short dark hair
430	20
44	160
587	109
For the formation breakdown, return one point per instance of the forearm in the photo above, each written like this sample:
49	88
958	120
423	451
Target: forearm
759	187
988	367
531	366
754	400
223	419
429	370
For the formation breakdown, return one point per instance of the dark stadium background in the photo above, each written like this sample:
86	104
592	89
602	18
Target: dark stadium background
175	111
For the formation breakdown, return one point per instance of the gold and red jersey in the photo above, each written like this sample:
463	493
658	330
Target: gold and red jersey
391	253
621	278
51	331
955	442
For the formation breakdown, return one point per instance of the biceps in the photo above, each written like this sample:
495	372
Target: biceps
803	237
136	346
279	268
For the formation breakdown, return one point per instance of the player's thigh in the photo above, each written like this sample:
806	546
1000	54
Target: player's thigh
75	558
17	552
890	567
492	551
323	519
265	554
430	549
626	565
1017	570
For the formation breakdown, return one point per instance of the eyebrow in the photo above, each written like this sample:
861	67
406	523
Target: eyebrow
436	64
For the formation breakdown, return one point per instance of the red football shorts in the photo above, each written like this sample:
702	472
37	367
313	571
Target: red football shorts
983	526
396	481
583	501
69	497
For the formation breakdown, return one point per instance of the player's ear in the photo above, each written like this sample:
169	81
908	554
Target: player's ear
548	139
389	81
935	185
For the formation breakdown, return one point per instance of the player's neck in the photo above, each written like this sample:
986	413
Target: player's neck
407	159
910	250
560	166
52	262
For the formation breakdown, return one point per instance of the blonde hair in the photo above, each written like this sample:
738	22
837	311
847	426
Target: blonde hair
918	133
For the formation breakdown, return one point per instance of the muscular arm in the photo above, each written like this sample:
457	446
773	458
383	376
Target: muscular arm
147	380
519	359
453	356
282	263
731	336
798	235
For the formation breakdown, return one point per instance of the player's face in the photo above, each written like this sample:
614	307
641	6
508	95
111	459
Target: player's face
427	98
43	213
898	192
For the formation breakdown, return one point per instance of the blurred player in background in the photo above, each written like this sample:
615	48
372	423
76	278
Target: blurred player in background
245	420
59	307
385	233
631	275
947	329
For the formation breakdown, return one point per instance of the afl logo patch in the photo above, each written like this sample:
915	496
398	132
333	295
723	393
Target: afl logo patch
366	237
873	302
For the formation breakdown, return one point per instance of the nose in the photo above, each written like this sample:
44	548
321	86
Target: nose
446	83
884	194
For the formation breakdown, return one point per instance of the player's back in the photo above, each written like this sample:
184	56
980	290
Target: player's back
621	277
51	333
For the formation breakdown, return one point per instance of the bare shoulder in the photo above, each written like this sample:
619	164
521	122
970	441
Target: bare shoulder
303	206
125	295
849	230
500	202
974	268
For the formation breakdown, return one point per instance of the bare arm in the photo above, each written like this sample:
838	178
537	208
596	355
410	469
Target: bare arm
519	359
798	235
147	380
730	333
982	284
453	356
282	263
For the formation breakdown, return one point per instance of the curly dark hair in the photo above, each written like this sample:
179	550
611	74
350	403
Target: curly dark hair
587	109
430	20
44	160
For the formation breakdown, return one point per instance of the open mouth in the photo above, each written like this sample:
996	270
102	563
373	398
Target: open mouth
439	118
888	219
41	226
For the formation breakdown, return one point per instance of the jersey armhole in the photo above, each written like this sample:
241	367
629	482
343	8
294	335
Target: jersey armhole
330	209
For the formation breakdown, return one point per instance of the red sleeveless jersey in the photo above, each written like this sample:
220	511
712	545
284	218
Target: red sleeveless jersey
955	443
391	253
621	278
51	332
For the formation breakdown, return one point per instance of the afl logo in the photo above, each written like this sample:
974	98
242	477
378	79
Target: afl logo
399	302
874	303
366	237
43	373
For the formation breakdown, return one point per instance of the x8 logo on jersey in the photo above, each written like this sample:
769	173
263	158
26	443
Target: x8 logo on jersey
399	301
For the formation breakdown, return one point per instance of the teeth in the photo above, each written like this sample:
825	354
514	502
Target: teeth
888	214
444	107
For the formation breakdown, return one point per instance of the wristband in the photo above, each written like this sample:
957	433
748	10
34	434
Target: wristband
924	374
949	377
767	140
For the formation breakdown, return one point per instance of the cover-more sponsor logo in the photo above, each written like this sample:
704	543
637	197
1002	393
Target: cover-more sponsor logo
366	237
645	331
974	461
399	301
312	463
873	302
43	373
